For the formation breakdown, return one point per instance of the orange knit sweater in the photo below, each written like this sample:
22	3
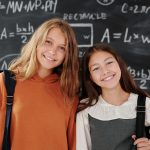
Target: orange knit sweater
41	118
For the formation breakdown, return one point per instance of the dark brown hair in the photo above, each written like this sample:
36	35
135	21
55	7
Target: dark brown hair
91	90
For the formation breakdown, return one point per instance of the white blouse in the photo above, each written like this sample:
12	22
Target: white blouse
104	111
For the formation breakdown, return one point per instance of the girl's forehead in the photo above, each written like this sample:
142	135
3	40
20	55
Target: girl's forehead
57	30
100	57
101	54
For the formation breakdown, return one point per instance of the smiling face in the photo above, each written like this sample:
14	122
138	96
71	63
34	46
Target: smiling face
52	52
104	70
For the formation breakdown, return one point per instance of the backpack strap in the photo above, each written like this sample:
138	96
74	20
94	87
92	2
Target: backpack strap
10	87
140	119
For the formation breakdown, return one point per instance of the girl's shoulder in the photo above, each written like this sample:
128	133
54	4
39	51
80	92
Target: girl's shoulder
148	102
1	74
87	110
134	96
1	79
147	98
82	102
85	100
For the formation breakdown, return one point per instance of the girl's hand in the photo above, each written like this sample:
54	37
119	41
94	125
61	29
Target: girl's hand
141	143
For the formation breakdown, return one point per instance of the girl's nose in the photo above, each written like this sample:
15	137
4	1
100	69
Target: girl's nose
104	70
53	50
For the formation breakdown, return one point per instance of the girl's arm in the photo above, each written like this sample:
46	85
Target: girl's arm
71	132
2	108
83	132
1	121
147	114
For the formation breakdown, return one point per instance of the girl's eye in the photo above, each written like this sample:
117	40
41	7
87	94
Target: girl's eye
48	42
110	62
62	48
95	69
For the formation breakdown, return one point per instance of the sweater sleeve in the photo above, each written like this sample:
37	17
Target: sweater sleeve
83	131
147	117
2	109
1	121
71	132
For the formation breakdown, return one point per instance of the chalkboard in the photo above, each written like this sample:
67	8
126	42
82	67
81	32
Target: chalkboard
125	24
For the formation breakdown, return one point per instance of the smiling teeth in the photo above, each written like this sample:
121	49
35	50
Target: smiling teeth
108	78
49	58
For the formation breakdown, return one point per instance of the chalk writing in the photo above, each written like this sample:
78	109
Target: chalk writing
105	2
125	36
28	6
24	31
135	9
84	16
141	76
4	61
85	38
21	31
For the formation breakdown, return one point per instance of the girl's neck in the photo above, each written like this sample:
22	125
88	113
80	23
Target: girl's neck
44	73
115	96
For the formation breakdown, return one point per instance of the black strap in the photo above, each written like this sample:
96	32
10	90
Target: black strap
140	119
10	87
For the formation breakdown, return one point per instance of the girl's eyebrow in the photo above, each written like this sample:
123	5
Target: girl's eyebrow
49	38
108	58
96	64
62	44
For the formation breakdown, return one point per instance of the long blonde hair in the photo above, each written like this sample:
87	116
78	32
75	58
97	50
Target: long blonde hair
26	65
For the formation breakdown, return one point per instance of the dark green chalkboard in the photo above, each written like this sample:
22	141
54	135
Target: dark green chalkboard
125	24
